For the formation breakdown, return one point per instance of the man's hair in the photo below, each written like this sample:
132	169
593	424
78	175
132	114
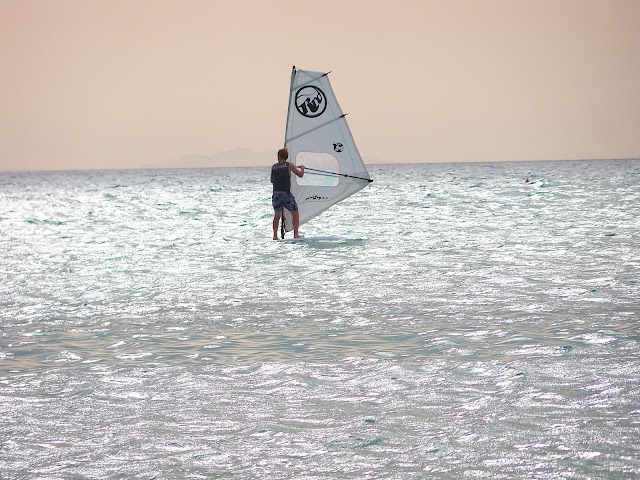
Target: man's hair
283	153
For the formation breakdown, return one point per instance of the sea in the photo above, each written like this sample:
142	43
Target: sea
465	324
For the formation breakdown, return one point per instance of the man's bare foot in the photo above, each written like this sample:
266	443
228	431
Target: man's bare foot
276	238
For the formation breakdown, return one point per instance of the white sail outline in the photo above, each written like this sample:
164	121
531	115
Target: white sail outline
322	136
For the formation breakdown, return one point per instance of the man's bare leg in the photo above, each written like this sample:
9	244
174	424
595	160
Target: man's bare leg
296	224
276	222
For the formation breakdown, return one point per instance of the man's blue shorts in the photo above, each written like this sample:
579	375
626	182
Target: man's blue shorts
284	199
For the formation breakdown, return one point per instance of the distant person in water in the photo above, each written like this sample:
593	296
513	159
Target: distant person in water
282	196
526	180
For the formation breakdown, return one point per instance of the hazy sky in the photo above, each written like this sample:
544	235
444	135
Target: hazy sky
133	83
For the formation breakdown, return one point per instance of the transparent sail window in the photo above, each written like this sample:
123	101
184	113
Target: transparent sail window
318	161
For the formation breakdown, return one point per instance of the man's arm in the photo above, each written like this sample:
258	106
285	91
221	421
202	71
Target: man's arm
299	171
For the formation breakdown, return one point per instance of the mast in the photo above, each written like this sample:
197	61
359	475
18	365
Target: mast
286	128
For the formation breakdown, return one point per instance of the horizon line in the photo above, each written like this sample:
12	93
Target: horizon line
367	164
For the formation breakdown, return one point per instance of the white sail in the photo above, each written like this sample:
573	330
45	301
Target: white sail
318	137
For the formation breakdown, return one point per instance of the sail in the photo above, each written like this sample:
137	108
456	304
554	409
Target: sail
318	137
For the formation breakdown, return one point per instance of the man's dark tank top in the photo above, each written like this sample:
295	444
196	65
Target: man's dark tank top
280	177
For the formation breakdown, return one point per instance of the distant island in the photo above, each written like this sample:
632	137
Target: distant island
239	157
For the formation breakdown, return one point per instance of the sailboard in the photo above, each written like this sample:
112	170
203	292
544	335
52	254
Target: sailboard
317	136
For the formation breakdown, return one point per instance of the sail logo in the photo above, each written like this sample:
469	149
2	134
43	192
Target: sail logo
338	147
311	102
316	197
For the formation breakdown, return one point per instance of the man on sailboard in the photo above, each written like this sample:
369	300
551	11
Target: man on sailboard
282	196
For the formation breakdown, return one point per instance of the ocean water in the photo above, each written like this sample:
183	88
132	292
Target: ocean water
468	325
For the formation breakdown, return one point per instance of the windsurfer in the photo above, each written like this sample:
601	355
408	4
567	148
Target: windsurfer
282	196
